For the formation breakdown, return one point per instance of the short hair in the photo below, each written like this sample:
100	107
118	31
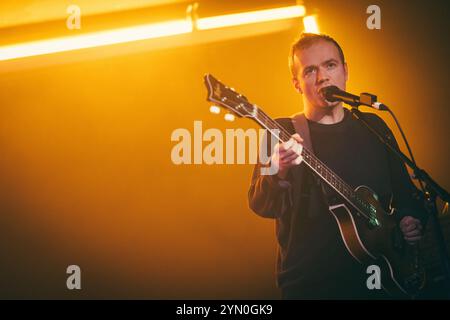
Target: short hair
305	41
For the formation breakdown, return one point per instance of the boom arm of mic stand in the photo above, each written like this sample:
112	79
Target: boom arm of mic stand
419	173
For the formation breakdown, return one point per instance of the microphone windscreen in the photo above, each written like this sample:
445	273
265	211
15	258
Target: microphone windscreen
328	92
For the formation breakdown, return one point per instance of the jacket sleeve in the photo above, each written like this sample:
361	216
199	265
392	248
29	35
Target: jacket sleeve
268	195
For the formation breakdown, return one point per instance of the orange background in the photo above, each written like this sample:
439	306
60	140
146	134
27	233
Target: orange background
86	176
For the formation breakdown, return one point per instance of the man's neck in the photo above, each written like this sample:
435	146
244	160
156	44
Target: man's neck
329	115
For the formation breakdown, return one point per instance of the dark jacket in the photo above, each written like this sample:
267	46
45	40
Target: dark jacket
294	203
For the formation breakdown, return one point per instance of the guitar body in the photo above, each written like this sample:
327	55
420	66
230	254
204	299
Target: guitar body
380	242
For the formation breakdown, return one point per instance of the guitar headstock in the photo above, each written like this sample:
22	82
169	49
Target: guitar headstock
226	97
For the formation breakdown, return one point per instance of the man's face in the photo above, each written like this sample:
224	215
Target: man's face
319	66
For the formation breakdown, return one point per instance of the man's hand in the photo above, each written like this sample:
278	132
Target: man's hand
287	154
411	228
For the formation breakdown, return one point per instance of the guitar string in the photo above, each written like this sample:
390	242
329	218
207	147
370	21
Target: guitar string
348	191
345	189
316	162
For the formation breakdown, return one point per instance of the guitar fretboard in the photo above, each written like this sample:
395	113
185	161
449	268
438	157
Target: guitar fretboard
308	157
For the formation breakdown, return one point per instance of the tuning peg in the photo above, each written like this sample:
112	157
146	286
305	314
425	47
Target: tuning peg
214	109
229	117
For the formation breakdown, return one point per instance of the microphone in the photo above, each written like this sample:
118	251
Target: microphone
333	93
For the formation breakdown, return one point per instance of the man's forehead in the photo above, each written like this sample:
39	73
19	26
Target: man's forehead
317	53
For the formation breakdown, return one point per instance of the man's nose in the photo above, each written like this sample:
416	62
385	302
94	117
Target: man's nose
322	76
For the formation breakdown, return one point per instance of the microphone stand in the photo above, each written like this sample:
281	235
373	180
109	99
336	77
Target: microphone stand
432	190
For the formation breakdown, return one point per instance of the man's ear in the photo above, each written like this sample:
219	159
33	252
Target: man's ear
296	84
346	71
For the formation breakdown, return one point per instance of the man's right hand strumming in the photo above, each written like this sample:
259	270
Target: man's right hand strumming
287	155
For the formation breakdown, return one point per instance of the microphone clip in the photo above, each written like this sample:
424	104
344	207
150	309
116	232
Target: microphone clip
367	99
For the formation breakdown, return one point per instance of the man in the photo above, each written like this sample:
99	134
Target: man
312	259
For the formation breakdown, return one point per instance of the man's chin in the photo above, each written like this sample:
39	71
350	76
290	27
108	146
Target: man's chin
328	105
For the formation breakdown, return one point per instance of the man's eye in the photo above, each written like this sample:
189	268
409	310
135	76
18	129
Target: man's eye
308	71
331	65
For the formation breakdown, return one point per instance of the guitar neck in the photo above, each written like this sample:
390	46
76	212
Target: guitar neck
239	104
308	157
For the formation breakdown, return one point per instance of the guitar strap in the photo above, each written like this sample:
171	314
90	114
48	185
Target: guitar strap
301	126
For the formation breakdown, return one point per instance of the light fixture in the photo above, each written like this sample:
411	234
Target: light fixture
250	17
214	109
310	24
229	117
146	31
95	39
